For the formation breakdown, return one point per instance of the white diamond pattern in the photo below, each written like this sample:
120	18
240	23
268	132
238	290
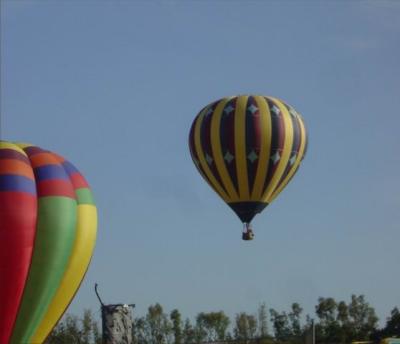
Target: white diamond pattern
253	109
209	159
252	156
228	157
293	159
229	109
276	110
276	157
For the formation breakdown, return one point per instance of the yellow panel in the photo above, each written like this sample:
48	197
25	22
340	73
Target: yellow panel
296	164
24	144
199	150
77	266
217	151
285	155
266	134
9	145
240	148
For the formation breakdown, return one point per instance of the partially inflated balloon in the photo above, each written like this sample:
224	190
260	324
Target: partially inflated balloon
248	148
48	224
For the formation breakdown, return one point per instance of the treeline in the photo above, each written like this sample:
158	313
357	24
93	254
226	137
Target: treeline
335	322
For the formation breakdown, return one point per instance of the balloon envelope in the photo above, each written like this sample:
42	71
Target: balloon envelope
48	224
248	148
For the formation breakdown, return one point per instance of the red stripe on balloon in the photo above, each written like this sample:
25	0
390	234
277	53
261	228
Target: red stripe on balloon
78	181
16	167
17	233
277	140
42	159
59	158
253	140
55	188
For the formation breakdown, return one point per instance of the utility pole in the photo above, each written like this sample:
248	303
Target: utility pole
310	334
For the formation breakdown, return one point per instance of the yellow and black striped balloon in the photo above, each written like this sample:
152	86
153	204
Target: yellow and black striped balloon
248	148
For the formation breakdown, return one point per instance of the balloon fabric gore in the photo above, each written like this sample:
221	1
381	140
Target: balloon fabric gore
248	148
48	224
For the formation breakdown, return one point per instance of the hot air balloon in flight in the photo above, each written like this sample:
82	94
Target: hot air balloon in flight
248	148
48	224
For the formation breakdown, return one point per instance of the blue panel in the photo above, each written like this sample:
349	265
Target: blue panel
69	168
47	172
9	182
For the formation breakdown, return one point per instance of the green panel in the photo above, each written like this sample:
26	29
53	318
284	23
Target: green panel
53	244
84	196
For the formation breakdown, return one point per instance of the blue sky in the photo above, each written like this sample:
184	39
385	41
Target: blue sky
114	86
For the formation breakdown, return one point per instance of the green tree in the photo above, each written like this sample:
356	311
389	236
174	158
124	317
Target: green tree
392	328
342	313
74	330
294	317
189	333
212	326
97	336
262	320
280	323
67	331
363	318
345	332
139	330
87	326
175	317
328	328
326	310
158	329
245	327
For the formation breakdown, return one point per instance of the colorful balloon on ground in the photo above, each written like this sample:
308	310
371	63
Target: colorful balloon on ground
48	224
248	148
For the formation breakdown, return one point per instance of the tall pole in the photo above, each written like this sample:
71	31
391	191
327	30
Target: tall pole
310	333
313	331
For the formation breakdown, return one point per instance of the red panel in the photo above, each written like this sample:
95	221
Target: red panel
16	167
42	159
78	181
55	187
17	233
59	158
